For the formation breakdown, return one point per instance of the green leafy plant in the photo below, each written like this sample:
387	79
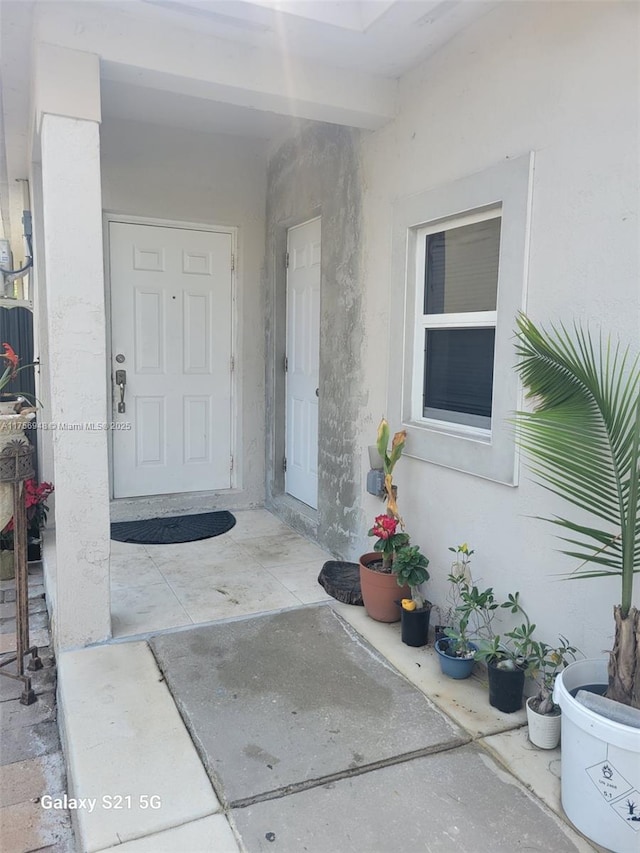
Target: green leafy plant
406	561
390	458
512	649
545	662
410	567
472	609
385	526
583	442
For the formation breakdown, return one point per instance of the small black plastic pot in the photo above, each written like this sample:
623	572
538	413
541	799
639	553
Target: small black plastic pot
33	550
415	625
440	632
506	687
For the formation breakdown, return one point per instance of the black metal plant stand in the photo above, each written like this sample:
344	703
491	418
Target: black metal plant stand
16	466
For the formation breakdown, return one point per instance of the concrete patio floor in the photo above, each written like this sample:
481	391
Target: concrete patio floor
260	564
138	773
125	738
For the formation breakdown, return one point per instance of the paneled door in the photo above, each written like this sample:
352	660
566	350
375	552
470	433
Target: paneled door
171	297
303	355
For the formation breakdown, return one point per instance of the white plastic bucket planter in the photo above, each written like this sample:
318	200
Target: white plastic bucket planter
600	765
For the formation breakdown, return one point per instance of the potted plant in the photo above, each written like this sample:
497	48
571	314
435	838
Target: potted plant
506	656
509	659
583	438
543	714
35	496
9	402
410	569
456	651
14	417
445	621
377	581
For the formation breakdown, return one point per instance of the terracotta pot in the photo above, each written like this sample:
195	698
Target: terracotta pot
380	590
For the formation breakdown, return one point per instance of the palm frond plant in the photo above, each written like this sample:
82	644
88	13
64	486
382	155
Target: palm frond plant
582	438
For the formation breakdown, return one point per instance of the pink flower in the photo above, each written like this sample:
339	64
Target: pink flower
384	526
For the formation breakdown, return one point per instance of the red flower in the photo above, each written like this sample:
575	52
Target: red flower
35	497
10	355
384	526
9	373
35	494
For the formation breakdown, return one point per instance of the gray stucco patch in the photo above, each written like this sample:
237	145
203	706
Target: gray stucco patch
317	173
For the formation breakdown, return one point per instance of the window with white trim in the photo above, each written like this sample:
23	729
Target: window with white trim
459	278
456	294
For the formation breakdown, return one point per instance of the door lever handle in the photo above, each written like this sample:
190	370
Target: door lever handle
121	381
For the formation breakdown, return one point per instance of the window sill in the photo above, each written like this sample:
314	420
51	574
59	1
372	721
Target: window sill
471	433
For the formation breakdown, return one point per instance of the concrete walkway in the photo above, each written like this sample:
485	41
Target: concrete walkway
474	785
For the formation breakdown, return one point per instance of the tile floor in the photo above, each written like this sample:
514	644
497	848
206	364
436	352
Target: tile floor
260	564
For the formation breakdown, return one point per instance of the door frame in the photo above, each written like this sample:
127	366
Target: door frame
293	511
107	218
290	228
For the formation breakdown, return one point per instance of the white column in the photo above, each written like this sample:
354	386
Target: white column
76	360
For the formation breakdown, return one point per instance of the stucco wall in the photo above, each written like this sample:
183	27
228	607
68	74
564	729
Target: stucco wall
315	173
173	174
560	79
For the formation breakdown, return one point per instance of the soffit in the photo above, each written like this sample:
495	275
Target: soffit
346	48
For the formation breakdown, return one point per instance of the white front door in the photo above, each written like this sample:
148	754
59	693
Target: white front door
171	334
303	355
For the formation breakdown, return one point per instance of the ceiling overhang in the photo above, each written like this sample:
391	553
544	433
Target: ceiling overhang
334	61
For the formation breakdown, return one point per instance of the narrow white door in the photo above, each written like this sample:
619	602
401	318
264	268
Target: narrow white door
171	334
303	350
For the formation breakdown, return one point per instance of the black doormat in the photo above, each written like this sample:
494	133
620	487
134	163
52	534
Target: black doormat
342	581
179	528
